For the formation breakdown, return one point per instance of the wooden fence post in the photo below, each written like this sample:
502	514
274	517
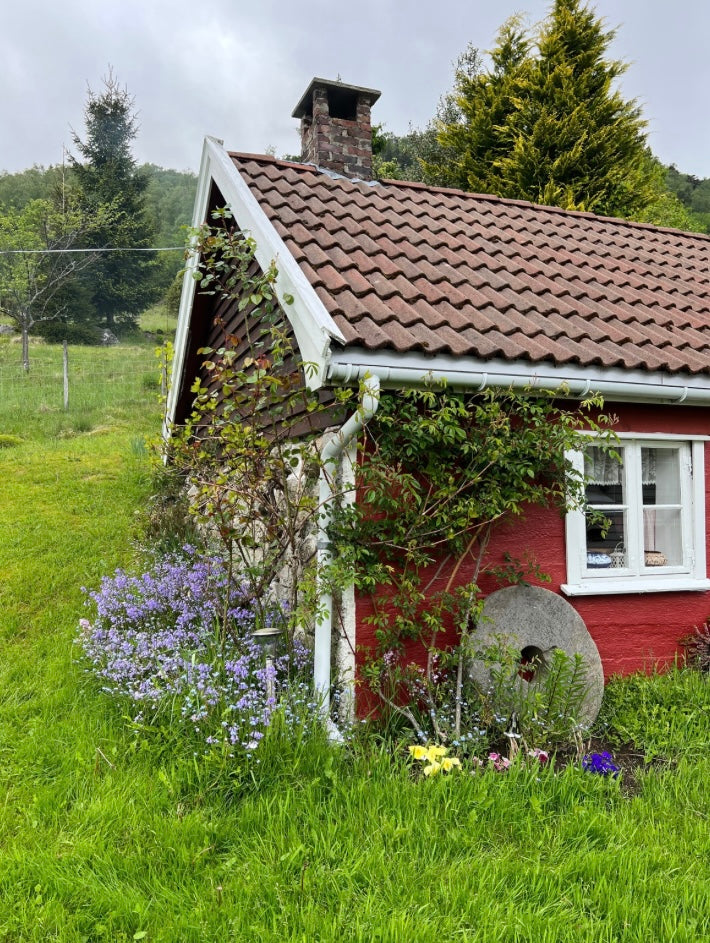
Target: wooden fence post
65	360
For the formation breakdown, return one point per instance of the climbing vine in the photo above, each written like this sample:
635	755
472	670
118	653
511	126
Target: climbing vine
438	471
249	447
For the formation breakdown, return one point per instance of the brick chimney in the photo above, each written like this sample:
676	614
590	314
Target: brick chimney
335	127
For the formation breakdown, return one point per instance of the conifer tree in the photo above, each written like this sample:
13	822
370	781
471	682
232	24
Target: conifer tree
122	284
548	125
473	120
576	142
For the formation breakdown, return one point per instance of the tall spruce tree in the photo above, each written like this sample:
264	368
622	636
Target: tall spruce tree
548	125
122	283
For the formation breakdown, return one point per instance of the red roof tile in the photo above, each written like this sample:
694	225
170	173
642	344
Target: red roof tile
411	268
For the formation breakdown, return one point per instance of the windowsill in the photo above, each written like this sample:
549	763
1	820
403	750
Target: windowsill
602	587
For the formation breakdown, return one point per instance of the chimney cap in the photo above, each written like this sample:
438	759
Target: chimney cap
337	89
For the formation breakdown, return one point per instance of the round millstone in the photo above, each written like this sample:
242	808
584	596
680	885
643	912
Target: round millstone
536	621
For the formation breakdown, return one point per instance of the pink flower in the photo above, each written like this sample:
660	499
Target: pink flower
500	763
542	756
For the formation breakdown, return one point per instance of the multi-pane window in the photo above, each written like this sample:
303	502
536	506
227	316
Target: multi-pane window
644	528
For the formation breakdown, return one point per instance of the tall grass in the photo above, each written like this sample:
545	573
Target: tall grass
104	837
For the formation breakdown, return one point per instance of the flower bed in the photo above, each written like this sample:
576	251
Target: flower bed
174	645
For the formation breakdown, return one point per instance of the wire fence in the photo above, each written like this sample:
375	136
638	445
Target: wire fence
95	380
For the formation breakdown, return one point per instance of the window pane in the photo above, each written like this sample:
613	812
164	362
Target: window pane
604	476
660	470
662	534
606	546
639	521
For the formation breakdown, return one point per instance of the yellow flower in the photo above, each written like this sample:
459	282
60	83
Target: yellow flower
419	752
434	753
432	768
449	763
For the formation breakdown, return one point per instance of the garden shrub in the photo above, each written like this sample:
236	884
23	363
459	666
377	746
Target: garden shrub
508	713
664	713
56	332
543	712
165	523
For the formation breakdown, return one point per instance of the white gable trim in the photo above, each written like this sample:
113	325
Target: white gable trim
312	324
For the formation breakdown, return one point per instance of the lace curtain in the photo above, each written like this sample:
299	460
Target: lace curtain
600	468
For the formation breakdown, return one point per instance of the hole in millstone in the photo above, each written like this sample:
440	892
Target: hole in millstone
530	662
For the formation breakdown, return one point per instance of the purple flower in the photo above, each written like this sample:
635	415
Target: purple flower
601	763
155	643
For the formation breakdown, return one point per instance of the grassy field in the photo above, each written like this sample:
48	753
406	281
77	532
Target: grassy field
108	386
106	838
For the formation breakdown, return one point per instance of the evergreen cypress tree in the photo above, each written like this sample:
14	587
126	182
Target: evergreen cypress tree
473	120
548	125
576	142
121	284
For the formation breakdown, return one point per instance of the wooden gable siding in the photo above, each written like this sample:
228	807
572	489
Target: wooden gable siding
217	322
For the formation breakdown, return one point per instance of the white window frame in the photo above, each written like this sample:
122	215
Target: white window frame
691	576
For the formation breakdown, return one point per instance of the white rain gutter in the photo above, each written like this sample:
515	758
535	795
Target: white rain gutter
331	454
630	386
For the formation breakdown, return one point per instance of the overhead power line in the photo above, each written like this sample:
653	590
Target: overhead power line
68	251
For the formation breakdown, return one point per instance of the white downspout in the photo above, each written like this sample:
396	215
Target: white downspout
330	458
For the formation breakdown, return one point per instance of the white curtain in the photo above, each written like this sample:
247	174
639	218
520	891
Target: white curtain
601	468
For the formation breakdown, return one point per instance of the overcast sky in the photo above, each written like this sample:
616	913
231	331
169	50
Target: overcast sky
236	69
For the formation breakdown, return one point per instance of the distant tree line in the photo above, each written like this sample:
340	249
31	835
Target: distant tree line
693	192
169	196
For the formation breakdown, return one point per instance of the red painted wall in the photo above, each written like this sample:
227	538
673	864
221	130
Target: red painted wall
632	631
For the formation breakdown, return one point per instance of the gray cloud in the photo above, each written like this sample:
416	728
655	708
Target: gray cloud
235	70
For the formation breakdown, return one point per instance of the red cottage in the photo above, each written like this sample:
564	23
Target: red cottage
399	283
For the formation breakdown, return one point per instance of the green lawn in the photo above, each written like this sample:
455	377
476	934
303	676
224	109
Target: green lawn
105	838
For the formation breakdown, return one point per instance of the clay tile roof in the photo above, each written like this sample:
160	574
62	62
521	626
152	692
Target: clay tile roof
410	268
